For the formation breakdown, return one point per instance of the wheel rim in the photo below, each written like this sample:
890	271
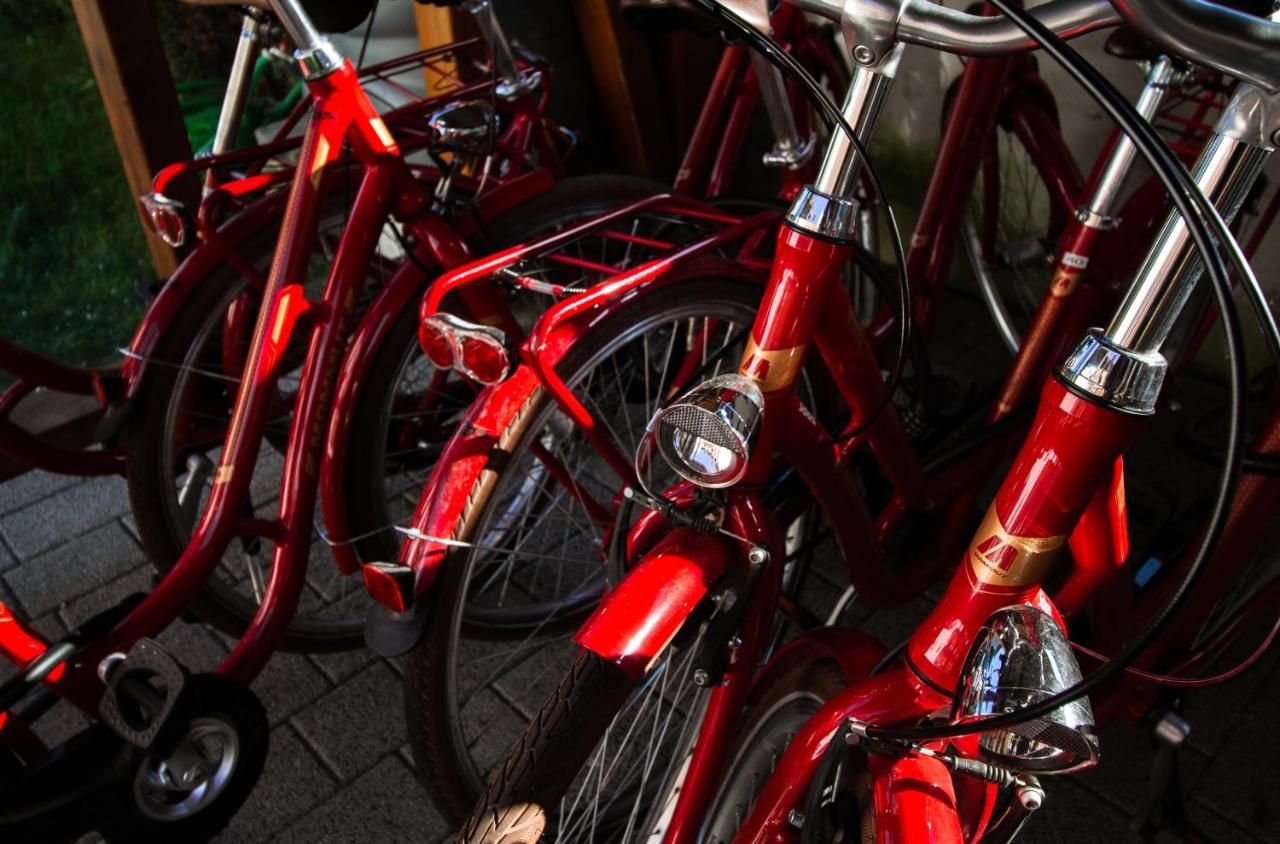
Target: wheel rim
1009	253
160	797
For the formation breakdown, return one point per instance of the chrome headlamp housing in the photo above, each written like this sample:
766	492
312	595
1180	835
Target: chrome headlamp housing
1019	658
705	435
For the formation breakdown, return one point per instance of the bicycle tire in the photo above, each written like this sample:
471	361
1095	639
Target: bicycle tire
442	747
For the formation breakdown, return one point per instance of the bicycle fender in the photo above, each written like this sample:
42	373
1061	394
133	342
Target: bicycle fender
407	283
915	801
636	621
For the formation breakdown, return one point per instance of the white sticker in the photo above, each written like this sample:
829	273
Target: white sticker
1078	262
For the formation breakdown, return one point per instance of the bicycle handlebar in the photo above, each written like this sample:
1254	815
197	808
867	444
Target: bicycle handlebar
1233	42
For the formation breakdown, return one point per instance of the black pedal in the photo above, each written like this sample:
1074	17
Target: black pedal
142	691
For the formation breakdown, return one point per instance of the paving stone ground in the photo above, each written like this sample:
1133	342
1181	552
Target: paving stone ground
339	768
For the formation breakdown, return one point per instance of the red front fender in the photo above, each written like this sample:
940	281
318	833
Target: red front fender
635	622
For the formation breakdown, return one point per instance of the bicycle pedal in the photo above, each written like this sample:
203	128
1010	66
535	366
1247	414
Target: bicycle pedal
142	690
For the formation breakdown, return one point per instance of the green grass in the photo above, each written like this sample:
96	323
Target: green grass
71	247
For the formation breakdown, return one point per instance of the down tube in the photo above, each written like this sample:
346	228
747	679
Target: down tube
282	304
307	430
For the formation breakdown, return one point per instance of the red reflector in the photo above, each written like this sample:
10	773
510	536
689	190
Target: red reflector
389	584
436	343
485	359
165	216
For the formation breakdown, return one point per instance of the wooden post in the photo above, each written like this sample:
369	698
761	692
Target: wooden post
435	27
627	88
137	90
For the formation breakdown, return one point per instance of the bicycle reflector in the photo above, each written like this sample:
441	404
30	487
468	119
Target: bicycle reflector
165	215
1019	658
480	352
705	435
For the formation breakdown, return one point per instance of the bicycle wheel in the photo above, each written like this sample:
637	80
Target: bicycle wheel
405	412
178	422
187	399
1011	231
536	561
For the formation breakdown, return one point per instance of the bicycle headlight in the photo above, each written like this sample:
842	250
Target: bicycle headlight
1019	658
705	435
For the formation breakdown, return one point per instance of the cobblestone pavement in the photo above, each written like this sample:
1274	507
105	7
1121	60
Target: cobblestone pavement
339	768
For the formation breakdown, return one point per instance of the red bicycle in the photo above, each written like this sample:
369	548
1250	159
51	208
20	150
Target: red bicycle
507	505
635	739
173	755
217	368
392	409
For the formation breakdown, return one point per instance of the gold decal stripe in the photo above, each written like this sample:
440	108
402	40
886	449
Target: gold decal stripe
1065	282
998	558
772	369
319	160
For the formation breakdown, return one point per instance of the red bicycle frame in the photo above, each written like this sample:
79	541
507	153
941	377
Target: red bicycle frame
342	116
1066	486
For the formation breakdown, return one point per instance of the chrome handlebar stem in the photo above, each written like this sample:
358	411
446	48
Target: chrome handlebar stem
316	56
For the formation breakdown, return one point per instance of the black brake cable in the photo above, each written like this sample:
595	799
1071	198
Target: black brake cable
1200	216
788	64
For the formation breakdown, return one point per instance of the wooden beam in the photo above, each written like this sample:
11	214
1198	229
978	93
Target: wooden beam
627	88
137	91
435	27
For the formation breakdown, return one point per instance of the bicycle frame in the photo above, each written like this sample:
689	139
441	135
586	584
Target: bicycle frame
1066	484
342	116
1080	431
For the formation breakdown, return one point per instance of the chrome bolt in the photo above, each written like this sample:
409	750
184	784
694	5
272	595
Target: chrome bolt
795	818
701	678
862	54
757	556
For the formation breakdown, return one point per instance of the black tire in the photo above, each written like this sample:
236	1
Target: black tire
550	753
441	735
207	699
368	504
